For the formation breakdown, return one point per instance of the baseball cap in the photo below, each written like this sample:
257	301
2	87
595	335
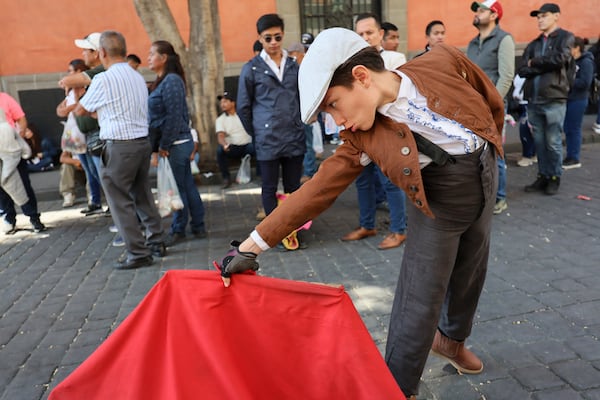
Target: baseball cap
226	95
90	42
331	48
492	5
547	7
296	47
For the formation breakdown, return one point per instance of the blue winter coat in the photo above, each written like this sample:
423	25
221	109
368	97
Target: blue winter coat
270	109
583	79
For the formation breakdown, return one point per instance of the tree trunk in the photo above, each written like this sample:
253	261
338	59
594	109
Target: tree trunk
202	61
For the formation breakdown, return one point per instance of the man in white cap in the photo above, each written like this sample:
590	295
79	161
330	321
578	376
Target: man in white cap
433	127
90	161
493	50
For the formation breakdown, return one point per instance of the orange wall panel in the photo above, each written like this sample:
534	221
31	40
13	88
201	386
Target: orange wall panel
577	16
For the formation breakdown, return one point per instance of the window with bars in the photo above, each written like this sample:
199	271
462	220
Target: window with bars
316	15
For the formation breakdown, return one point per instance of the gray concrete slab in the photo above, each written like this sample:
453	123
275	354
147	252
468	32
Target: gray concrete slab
537	327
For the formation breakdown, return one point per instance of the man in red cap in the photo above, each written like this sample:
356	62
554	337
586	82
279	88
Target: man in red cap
493	50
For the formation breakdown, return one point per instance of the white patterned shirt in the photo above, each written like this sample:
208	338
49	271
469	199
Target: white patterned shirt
120	97
411	109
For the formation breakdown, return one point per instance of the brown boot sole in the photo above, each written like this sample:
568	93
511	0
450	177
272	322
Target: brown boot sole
459	369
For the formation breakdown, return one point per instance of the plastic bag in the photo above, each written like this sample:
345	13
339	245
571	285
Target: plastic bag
72	139
243	175
168	194
194	168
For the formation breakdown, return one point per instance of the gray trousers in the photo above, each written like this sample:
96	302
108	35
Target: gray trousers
124	174
444	265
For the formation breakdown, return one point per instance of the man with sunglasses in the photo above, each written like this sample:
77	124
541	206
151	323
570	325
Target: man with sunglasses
269	107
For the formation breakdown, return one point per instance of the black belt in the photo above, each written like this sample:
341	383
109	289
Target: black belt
126	140
438	155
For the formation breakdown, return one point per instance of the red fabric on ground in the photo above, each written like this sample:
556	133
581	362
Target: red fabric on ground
260	339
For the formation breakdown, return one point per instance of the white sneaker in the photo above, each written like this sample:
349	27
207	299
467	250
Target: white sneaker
69	200
525	162
596	127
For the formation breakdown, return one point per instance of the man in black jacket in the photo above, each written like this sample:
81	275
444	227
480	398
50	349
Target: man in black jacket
549	69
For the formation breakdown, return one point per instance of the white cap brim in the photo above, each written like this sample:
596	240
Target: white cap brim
331	48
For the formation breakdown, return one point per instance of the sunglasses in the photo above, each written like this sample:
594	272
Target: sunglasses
268	38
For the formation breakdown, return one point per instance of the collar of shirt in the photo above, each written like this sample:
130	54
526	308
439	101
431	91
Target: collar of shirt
277	70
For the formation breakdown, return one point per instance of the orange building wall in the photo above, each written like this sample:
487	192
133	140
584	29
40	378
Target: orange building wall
38	35
579	17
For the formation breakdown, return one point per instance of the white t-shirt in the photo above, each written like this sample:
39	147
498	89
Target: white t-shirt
235	133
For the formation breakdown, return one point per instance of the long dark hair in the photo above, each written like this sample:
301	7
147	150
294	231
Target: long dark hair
172	65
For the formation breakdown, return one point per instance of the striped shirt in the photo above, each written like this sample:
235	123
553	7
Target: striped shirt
120	97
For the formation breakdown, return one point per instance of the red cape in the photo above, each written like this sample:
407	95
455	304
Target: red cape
260	339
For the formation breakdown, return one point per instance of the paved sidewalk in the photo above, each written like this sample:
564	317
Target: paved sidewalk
537	327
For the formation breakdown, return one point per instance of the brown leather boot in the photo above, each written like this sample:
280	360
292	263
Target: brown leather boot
456	354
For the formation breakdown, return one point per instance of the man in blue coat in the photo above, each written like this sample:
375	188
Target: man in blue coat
269	107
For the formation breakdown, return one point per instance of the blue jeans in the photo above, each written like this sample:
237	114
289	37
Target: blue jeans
572	126
310	159
525	133
91	174
236	152
179	158
7	205
365	188
291	172
501	193
547	121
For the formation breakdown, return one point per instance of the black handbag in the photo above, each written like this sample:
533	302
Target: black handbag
95	145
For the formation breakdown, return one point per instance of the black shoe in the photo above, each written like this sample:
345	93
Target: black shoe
552	186
137	263
539	185
173	238
200	234
92	209
158	250
226	183
569	163
38	226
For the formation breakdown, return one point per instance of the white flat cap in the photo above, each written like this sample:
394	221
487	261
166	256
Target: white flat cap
331	48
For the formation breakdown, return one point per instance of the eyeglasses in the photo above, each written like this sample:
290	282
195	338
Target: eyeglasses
268	38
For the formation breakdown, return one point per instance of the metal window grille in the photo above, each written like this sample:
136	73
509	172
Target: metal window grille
316	15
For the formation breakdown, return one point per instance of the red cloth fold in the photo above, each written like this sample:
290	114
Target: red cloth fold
262	338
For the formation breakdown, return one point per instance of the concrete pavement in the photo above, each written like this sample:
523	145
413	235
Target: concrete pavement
537	328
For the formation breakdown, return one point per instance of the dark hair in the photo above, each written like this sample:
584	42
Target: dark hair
269	21
368	57
362	16
388	26
78	65
580	42
172	65
113	43
430	26
134	58
257	46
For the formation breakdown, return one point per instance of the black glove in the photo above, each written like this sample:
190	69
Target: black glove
237	261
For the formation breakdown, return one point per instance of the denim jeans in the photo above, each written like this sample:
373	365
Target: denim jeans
501	192
236	152
546	122
525	133
310	160
7	205
365	188
179	158
291	172
91	174
572	126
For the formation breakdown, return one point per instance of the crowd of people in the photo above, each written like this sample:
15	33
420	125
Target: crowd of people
396	144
